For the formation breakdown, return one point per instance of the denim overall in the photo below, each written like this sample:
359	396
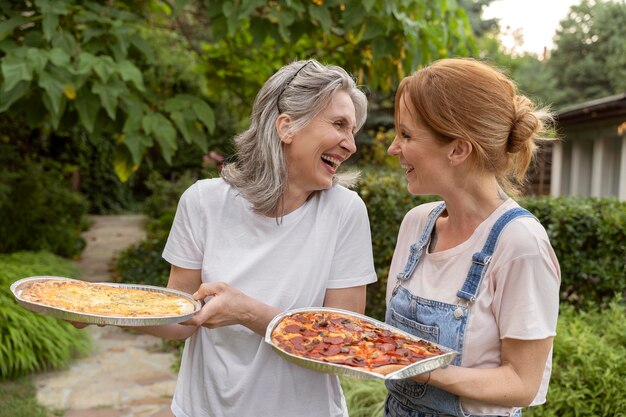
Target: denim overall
438	322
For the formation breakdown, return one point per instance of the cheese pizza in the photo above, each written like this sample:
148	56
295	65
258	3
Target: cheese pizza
105	300
342	339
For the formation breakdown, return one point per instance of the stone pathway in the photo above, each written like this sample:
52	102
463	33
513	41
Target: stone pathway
126	375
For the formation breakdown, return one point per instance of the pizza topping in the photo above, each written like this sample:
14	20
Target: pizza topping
340	339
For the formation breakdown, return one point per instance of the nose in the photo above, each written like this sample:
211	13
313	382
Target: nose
348	143
394	149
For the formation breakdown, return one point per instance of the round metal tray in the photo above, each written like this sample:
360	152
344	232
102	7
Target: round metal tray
69	315
408	371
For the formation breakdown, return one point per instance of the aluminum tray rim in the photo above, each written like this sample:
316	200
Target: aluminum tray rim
18	286
408	371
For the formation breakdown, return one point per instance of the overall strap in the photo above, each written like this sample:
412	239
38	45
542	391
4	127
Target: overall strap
417	248
480	260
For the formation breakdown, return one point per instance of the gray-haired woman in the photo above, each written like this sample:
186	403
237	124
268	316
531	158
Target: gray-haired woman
276	232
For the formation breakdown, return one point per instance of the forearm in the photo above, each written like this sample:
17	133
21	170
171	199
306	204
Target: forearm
168	331
259	317
500	386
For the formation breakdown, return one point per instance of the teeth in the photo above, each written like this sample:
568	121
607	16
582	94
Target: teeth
334	162
406	168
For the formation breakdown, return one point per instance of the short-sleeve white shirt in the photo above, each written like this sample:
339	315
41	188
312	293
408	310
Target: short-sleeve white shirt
518	298
289	263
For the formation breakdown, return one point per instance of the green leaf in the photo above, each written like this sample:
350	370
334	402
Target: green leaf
373	30
55	109
104	67
368	4
179	102
37	59
129	72
109	94
59	57
15	70
49	24
143	47
86	62
8	26
205	114
54	90
137	144
87	105
321	14
134	116
65	41
7	98
181	123
165	134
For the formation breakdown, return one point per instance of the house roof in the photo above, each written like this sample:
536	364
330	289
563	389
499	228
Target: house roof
598	109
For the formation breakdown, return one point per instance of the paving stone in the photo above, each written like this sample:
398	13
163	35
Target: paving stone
125	375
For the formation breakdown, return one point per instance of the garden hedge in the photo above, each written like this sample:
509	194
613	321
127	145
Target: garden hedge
31	342
588	236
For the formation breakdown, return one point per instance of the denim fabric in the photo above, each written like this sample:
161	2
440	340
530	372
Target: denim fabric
438	322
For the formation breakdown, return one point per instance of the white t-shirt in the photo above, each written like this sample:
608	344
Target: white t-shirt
326	243
518	298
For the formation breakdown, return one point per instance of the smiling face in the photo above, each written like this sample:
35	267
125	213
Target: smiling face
314	153
423	157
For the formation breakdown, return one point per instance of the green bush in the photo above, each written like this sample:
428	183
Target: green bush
588	236
588	363
38	211
32	342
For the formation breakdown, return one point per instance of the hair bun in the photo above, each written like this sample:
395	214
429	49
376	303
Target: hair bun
526	123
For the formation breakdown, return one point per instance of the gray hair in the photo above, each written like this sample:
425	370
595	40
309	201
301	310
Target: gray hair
302	90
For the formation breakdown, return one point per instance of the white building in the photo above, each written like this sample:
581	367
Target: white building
590	159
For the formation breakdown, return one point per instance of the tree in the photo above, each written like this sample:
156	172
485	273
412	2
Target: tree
589	60
90	65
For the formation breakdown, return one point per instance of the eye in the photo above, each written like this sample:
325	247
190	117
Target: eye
404	135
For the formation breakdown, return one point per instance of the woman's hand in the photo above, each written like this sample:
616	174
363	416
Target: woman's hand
227	306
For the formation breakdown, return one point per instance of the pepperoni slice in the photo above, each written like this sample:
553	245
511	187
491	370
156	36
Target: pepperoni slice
331	351
293	328
333	340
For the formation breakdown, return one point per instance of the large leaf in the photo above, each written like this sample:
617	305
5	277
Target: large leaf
53	87
59	57
137	144
87	105
7	98
181	123
163	131
129	72
205	114
15	70
321	14
109	94
104	66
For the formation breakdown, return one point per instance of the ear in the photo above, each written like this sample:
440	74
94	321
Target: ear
282	127
460	151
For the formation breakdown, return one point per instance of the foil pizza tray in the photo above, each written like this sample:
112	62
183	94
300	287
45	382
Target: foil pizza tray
18	286
419	367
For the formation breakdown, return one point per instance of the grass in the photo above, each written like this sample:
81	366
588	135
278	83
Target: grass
18	398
